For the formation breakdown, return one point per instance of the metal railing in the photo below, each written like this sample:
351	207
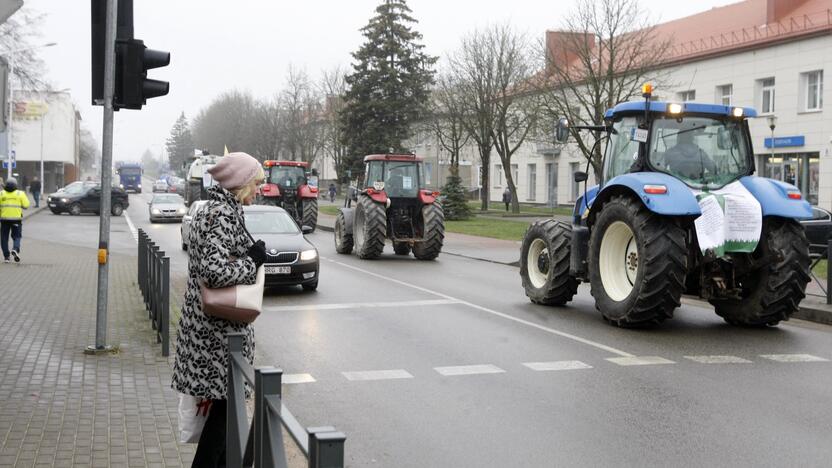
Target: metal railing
260	443
154	282
816	256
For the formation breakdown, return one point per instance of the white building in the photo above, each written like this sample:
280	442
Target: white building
773	55
46	128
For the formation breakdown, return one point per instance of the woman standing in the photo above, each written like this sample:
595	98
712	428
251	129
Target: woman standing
220	254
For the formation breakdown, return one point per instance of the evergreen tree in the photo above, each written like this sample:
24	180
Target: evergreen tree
455	204
180	145
388	87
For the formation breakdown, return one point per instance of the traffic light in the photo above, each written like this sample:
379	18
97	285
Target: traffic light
133	87
124	30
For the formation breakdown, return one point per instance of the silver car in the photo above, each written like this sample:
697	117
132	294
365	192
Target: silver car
160	186
166	206
185	228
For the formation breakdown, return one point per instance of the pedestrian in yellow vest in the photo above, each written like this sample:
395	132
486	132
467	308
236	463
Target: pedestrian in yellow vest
12	204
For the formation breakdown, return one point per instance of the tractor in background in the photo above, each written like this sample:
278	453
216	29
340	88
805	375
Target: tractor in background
677	210
392	204
290	186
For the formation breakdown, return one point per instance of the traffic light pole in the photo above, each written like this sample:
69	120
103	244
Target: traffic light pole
106	182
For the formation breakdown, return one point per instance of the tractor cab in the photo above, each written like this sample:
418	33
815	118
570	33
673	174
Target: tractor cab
399	176
288	186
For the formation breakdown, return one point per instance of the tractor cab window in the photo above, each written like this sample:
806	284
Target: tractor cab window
401	179
622	149
703	152
375	172
287	176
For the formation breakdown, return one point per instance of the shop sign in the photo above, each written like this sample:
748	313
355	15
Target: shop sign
783	142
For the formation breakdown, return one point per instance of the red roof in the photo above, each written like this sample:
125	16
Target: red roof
392	157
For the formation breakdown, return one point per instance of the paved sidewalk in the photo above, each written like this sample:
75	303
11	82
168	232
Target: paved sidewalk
60	407
812	308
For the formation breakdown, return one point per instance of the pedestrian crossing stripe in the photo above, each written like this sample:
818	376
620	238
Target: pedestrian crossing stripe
556	365
468	370
718	359
640	361
793	358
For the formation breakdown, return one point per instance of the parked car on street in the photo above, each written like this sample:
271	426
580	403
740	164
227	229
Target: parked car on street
818	230
185	227
176	185
290	258
166	207
85	198
160	186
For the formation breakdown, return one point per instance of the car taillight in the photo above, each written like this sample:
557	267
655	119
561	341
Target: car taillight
655	189
794	195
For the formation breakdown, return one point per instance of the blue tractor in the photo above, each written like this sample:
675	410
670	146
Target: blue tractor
677	210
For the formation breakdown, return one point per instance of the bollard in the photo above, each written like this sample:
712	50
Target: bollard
267	439
829	272
326	449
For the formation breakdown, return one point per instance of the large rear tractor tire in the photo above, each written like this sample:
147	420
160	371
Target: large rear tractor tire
772	292
637	263
310	213
369	228
343	239
544	263
434	222
401	248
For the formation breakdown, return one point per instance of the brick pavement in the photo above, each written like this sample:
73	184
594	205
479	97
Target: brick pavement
60	407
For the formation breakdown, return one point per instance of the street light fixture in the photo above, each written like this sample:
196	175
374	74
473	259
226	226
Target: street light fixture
10	54
772	123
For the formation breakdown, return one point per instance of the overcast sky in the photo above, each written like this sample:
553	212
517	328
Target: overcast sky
217	45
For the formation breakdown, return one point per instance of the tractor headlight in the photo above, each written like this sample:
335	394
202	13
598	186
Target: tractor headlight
309	255
736	112
674	108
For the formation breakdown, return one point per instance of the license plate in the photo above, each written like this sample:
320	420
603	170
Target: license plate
278	270
52	205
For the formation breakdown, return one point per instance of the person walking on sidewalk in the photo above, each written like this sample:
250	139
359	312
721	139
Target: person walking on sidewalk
507	198
332	191
220	254
12	204
34	189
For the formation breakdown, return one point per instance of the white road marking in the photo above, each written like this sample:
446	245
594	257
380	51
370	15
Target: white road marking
132	227
570	336
450	371
297	378
357	305
640	360
377	375
556	365
718	359
793	358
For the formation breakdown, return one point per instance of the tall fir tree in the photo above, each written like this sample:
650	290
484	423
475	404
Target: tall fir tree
388	87
180	145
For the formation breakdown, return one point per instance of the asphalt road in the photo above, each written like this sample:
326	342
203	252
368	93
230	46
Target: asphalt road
446	363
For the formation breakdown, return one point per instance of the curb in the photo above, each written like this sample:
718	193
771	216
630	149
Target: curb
33	211
812	314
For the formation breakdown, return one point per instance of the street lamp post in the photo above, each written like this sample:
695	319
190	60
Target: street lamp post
772	122
10	94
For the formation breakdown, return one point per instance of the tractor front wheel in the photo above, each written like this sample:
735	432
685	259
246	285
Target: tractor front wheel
434	223
637	263
773	291
369	228
310	213
544	263
343	239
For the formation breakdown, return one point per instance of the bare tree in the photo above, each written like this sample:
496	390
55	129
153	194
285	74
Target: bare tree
447	116
303	117
333	87
227	122
515	114
20	33
472	73
609	48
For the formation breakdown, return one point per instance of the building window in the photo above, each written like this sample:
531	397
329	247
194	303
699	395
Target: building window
428	173
532	181
684	96
498	175
551	183
725	94
573	168
766	95
515	174
813	84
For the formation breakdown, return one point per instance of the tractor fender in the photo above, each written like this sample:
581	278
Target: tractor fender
774	199
427	197
308	191
270	190
377	196
678	199
348	216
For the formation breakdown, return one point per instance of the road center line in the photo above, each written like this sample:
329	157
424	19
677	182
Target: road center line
358	305
570	336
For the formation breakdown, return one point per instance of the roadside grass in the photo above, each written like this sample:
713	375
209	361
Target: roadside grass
494	228
498	209
329	209
820	270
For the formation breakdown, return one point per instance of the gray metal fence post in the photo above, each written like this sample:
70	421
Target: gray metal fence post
326	449
267	382
139	262
829	272
164	317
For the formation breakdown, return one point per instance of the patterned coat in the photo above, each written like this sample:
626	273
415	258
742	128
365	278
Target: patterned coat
217	246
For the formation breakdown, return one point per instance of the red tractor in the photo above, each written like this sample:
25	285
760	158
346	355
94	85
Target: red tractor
288	186
393	204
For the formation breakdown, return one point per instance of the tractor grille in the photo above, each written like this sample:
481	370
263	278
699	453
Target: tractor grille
282	258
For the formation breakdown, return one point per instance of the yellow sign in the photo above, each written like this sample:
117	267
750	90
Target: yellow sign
30	109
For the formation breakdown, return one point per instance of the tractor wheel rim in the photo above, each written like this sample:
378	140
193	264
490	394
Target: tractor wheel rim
537	262
618	261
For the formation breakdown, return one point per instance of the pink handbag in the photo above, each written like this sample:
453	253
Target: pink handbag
238	303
